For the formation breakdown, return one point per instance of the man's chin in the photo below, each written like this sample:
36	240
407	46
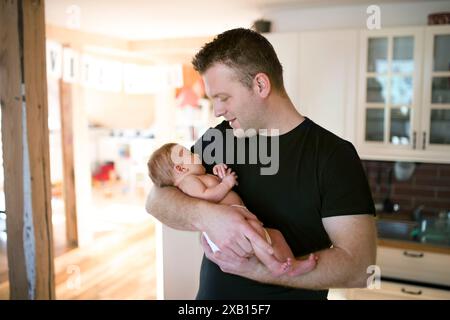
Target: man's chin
241	133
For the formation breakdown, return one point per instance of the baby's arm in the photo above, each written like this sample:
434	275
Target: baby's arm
194	186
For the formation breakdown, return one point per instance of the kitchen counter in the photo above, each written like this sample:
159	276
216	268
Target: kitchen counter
401	232
413	245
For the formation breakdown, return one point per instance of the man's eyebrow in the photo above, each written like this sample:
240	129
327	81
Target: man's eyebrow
218	94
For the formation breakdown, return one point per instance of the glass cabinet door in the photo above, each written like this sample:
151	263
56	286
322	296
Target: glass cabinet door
439	99
389	89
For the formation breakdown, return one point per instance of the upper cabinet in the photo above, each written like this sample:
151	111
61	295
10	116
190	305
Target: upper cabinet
436	91
320	76
404	94
387	91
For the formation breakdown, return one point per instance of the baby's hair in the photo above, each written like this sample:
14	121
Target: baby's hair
160	166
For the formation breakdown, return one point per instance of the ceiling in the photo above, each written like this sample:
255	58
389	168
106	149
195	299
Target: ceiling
156	19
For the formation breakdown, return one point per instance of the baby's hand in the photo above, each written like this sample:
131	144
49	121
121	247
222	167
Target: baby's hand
220	170
230	178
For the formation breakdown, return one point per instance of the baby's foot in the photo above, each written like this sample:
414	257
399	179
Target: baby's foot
300	267
281	268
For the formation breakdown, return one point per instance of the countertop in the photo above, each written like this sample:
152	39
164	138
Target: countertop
415	245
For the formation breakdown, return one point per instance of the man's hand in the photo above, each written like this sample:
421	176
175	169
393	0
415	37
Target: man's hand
229	229
354	249
233	264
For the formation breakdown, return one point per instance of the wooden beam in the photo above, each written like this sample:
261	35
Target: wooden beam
66	112
11	102
26	149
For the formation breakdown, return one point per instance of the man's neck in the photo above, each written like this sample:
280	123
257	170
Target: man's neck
282	115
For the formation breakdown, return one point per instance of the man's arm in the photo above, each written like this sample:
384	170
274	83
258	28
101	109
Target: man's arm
342	266
226	226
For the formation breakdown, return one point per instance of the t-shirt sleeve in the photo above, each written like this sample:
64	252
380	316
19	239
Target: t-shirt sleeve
343	184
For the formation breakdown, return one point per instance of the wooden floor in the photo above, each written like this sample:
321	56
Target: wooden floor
119	266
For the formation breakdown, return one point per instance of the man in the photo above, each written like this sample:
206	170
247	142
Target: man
319	197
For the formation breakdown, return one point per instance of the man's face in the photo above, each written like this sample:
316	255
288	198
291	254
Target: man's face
191	161
231	99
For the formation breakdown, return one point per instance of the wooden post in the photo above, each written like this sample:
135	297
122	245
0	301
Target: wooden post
66	112
23	94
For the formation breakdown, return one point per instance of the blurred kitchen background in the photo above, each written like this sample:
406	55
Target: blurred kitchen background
120	84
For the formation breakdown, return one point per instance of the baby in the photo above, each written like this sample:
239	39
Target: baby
174	165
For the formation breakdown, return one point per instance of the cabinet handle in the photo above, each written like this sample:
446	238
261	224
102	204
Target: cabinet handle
414	139
424	139
413	255
416	293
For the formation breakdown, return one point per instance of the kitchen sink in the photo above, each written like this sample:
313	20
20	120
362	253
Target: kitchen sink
426	231
398	229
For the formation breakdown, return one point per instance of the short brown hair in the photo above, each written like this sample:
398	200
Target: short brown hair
160	166
246	52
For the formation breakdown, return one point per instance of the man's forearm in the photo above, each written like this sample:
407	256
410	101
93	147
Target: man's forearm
335	269
175	209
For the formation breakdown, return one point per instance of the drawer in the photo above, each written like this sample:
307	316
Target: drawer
412	265
398	291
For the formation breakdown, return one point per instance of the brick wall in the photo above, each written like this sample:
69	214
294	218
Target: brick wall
428	186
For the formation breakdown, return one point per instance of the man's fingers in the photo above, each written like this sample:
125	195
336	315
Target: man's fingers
257	240
225	258
246	246
235	251
248	215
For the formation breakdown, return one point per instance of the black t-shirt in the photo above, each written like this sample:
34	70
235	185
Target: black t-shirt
319	175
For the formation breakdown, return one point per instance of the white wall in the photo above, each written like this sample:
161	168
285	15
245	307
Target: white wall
291	18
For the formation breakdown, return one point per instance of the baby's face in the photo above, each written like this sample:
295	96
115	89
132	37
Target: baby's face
190	161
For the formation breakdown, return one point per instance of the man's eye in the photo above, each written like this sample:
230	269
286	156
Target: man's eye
223	99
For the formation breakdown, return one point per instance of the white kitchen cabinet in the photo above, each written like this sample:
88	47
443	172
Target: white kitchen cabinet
328	78
320	74
404	94
286	46
404	265
435	125
397	291
420	266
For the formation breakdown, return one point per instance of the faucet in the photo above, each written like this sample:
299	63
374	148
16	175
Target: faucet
417	214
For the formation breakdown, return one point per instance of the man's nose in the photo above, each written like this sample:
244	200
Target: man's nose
218	111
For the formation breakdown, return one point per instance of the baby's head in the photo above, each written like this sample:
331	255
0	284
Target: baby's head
172	162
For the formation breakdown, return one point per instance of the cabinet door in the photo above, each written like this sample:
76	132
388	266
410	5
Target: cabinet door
286	47
426	267
398	291
328	78
390	93
435	134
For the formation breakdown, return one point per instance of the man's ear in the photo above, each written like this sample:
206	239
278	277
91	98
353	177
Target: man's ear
180	169
261	83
